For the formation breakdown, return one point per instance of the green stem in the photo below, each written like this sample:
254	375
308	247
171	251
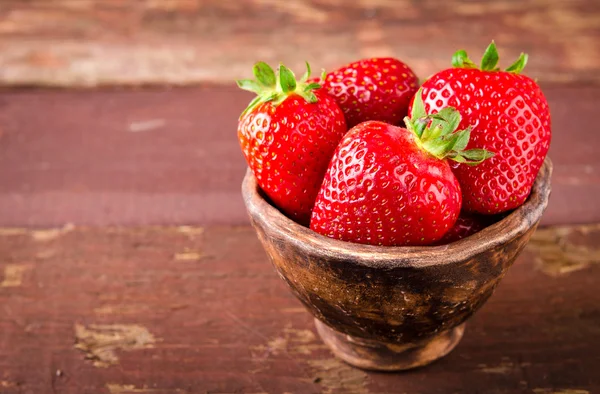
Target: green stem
275	88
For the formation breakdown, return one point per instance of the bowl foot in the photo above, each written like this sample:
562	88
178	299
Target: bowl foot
380	356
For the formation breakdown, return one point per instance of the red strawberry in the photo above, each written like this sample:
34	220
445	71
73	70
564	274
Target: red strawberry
465	226
388	185
288	134
510	117
372	89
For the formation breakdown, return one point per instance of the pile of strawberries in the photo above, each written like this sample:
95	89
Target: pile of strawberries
365	155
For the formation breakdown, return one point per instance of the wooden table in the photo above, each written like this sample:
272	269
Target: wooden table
194	310
127	264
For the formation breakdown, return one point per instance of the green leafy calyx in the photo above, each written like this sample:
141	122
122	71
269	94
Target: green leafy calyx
276	87
489	61
437	134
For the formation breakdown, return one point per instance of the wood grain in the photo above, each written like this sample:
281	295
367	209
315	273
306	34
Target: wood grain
114	42
223	321
170	156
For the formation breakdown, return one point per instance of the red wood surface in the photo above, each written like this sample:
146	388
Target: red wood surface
126	307
134	42
191	310
168	156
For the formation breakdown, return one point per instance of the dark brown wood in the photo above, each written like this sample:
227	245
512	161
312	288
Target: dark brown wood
192	310
116	42
170	156
393	308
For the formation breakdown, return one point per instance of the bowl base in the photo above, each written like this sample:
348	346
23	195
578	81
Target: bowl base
379	356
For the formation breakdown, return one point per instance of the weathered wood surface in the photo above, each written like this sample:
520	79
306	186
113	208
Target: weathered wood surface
181	309
100	42
191	310
170	156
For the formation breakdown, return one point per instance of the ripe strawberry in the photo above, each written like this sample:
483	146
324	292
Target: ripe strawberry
372	89
388	185
465	226
510	117
288	134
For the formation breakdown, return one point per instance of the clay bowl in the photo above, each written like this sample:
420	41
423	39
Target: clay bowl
393	308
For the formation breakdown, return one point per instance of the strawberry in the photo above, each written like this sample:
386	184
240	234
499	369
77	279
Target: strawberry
510	117
465	226
387	185
372	89
288	134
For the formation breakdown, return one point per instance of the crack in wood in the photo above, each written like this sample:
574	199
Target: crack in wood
51	234
13	275
505	367
188	255
116	388
146	125
559	250
100	342
336	376
41	235
190	230
330	373
7	384
121	309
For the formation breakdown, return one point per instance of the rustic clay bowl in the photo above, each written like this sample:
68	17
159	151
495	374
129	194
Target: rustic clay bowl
393	308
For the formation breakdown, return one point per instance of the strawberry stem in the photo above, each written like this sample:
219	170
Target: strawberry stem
287	80
460	59
437	134
264	74
489	61
273	88
519	65
490	58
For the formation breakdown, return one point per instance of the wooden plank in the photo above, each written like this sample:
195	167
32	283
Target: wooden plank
192	310
115	42
170	156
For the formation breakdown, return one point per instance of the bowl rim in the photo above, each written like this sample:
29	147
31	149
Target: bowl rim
514	225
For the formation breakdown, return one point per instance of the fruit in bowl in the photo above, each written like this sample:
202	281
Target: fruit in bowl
288	134
388	185
467	225
510	117
393	235
372	89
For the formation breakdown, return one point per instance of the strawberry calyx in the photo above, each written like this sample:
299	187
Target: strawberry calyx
437	134
489	61
275	88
